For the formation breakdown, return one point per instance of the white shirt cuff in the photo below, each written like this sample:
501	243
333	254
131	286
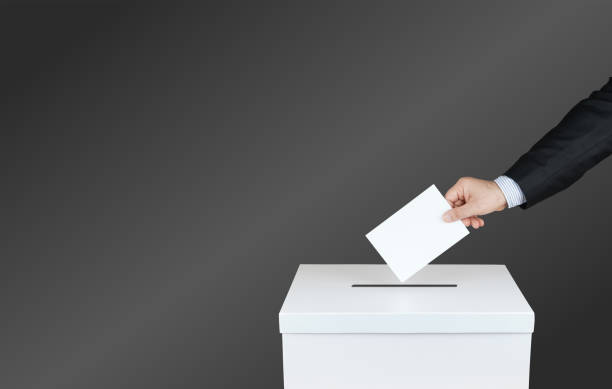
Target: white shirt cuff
512	191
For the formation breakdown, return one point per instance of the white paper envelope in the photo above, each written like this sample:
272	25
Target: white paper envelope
416	234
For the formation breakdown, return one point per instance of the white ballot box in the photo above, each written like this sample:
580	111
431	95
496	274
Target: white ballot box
448	326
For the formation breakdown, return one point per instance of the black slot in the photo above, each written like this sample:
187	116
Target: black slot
404	285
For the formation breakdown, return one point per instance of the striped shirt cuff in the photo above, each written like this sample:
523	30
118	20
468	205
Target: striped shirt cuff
512	191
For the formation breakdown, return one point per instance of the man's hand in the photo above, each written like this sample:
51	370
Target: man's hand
471	198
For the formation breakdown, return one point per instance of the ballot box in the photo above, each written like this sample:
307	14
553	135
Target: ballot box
448	326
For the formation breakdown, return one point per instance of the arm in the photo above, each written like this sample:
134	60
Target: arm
581	140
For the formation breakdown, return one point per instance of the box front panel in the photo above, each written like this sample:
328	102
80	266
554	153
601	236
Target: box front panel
394	361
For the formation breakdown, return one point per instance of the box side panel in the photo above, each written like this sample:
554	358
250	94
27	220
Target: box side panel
407	323
394	361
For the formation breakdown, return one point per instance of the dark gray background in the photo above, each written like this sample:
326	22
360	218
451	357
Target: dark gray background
165	170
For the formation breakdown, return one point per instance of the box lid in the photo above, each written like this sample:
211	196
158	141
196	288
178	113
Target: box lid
438	299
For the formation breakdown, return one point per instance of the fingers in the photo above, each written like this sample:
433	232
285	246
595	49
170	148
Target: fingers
475	222
455	204
458	203
455	193
468	220
461	209
462	212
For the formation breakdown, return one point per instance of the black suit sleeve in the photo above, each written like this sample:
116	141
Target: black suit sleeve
581	140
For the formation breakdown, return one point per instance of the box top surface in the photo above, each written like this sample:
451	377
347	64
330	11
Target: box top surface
439	298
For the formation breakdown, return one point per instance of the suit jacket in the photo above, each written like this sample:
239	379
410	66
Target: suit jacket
581	140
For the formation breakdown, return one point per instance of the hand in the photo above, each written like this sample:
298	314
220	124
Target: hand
471	198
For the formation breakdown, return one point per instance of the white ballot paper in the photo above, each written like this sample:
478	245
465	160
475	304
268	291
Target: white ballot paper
416	234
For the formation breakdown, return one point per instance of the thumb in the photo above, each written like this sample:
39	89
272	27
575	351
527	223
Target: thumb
462	212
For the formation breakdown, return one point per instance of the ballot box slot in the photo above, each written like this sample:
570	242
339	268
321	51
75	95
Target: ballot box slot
404	285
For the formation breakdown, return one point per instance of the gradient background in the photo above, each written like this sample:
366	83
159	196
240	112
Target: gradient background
165	170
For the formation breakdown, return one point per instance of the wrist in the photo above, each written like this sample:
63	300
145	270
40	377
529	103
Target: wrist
501	202
511	190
